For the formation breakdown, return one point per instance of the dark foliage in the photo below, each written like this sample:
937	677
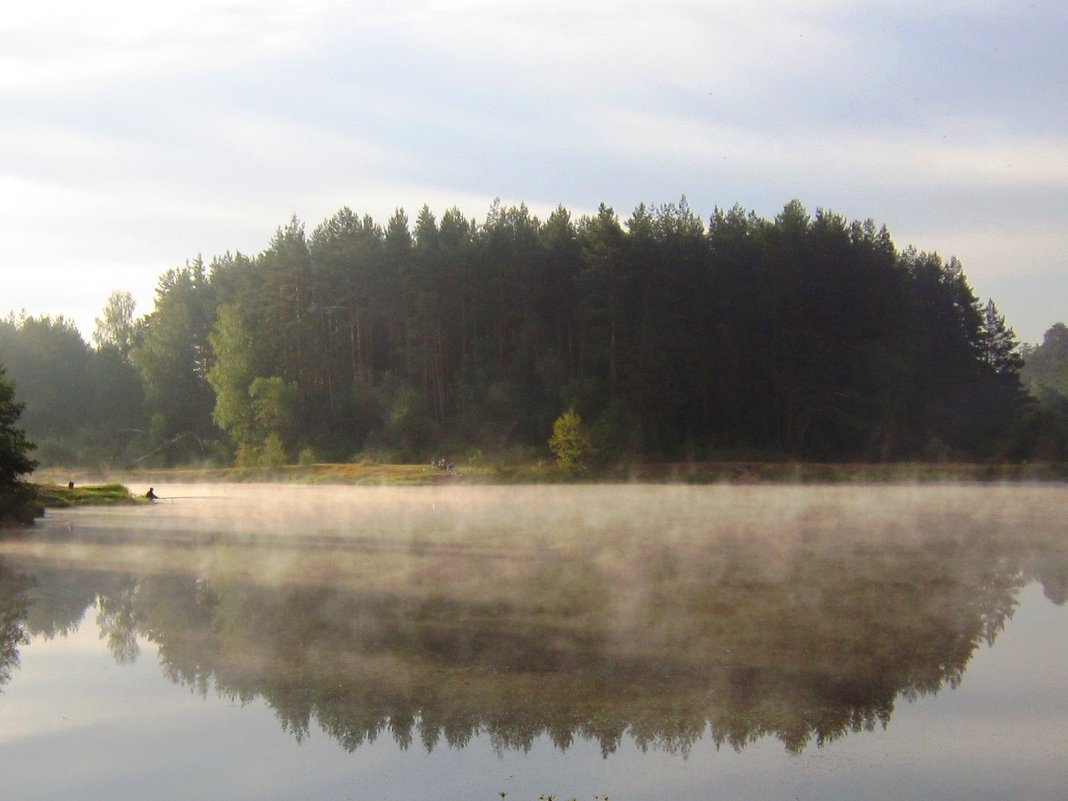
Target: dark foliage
804	336
800	337
82	406
17	499
1044	429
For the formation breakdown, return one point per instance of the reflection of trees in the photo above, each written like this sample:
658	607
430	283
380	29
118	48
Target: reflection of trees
58	598
805	638
1053	575
51	601
12	619
117	617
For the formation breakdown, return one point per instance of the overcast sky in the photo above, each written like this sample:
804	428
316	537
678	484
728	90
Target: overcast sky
135	136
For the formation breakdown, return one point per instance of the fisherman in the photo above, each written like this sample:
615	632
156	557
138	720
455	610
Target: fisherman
151	495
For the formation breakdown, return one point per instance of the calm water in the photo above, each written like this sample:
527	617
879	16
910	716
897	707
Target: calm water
277	642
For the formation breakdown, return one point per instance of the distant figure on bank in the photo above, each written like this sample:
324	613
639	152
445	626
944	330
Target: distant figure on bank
70	485
151	495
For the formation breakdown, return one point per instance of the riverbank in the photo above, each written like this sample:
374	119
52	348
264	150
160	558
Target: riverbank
741	472
58	496
28	501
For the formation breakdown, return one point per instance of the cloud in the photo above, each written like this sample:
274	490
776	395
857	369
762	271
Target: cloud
584	49
960	153
149	133
66	46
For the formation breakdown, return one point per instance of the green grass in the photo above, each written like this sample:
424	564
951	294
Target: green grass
543	472
56	496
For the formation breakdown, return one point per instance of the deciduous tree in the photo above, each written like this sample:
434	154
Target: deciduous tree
16	497
571	442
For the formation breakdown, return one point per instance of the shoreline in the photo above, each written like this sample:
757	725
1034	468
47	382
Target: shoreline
737	472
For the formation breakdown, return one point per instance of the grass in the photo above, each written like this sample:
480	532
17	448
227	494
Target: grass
541	472
56	496
839	473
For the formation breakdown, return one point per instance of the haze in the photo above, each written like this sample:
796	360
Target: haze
806	640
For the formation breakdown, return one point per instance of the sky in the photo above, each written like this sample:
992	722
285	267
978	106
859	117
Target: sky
137	136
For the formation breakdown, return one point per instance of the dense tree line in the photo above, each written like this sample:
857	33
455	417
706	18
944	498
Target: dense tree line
1045	374
802	337
80	403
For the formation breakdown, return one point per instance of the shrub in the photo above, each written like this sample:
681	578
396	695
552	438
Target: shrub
248	455
273	453
571	443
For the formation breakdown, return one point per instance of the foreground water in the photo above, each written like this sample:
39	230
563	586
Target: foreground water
261	642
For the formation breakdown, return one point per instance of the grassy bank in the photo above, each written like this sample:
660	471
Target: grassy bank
56	496
539	472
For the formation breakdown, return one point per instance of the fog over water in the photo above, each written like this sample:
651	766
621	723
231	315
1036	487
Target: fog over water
630	638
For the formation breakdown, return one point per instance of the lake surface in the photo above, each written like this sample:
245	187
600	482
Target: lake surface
649	642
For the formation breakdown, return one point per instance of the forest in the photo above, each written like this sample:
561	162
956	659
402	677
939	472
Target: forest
666	338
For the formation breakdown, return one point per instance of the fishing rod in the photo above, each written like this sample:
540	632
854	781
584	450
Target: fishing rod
152	496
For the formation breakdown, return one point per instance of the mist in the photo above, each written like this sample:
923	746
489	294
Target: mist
666	619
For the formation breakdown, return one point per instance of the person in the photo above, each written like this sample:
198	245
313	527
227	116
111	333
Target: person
70	485
151	494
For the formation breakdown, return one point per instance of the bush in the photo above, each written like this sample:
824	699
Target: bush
571	443
273	453
248	455
19	504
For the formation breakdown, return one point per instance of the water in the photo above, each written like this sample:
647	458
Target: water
802	642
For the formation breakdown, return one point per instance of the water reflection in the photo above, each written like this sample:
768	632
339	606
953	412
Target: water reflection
730	616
